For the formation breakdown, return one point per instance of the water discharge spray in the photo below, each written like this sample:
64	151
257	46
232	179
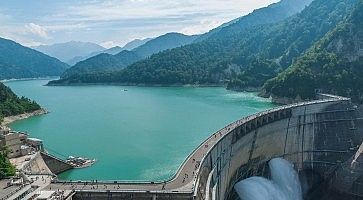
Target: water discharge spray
284	184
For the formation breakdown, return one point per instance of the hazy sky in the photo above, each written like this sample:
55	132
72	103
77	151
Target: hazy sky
114	22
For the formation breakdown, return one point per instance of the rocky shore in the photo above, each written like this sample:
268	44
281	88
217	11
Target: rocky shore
8	120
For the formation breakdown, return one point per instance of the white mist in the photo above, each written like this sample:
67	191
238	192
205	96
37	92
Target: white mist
284	184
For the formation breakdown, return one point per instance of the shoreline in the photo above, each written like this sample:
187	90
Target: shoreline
10	119
133	84
28	79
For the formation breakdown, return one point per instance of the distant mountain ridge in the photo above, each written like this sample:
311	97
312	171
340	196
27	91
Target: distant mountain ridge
267	15
103	62
17	61
113	50
135	43
107	62
164	42
69	50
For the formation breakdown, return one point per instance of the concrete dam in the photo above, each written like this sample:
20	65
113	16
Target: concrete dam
322	138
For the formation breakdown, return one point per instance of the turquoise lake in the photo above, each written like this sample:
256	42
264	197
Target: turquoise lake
144	133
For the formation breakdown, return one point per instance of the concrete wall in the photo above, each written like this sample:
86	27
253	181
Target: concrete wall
36	166
55	165
313	137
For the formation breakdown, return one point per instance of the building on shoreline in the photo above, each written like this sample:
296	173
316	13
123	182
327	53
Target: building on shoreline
18	143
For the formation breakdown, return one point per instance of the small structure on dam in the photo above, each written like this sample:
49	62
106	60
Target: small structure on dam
323	139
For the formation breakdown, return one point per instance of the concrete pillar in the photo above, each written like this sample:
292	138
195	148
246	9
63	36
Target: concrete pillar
154	196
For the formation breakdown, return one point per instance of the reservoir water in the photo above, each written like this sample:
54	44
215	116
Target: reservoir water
135	133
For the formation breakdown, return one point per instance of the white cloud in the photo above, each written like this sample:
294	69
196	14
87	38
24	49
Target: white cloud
37	30
115	22
203	26
64	27
108	44
186	16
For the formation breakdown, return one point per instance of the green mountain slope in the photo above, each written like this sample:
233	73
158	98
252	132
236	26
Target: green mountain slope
10	104
17	61
102	62
275	48
105	63
164	42
113	51
333	65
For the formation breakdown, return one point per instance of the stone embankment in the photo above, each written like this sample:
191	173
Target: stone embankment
8	120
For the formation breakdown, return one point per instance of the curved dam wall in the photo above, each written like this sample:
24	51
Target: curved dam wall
55	164
36	166
316	136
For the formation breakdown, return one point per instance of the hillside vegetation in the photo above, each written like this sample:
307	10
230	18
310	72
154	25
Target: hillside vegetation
17	61
332	65
10	104
6	168
104	62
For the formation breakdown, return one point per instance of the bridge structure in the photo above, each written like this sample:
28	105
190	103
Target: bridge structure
316	136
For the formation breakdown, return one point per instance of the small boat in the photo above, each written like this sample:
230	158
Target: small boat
79	162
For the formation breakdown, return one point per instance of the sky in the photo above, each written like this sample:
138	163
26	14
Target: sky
114	22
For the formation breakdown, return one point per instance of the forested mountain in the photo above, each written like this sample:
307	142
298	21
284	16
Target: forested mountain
103	62
77	59
17	61
113	51
65	52
106	62
202	62
278	46
10	104
164	42
332	65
